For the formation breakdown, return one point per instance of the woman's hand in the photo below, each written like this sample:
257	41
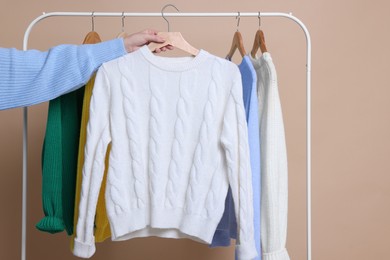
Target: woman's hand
136	40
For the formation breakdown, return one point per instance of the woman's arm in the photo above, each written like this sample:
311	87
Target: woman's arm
31	77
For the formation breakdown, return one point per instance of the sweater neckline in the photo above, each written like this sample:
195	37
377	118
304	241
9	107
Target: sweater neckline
259	61
174	63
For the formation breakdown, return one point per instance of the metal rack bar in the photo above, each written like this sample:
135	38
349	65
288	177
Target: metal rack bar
233	14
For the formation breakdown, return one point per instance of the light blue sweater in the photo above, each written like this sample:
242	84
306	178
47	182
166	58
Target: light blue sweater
31	77
227	228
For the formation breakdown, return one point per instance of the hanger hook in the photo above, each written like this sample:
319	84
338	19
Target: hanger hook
259	20
162	13
123	21
238	21
93	21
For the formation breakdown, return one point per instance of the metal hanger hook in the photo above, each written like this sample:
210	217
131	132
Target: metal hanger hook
238	21
123	21
259	20
162	13
93	21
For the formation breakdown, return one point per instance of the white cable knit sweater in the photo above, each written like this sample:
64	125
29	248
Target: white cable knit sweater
274	181
179	139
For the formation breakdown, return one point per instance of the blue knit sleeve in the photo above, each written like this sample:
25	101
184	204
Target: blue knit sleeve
31	77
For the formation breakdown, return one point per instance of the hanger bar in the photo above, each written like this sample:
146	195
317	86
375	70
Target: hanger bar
158	14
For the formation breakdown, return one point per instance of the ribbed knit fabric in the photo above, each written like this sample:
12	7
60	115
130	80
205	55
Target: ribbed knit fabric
62	190
102	228
60	162
179	139
52	163
71	104
227	227
274	189
31	77
277	255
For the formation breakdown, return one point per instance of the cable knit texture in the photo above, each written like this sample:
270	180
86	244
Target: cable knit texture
31	77
179	139
274	189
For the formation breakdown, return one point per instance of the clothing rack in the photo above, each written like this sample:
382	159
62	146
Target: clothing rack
234	14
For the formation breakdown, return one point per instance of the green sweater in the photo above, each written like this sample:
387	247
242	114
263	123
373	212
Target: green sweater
59	158
59	162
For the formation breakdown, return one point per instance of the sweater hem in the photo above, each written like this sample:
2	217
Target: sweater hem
168	223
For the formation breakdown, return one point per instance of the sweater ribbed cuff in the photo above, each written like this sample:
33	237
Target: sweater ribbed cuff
278	255
51	225
246	251
83	249
108	50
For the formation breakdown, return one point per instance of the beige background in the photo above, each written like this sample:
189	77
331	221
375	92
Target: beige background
351	123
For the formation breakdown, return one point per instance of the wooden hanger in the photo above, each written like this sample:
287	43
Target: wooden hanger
237	43
259	41
91	38
122	35
174	39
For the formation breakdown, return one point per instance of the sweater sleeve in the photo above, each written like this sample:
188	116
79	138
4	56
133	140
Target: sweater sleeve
98	138
234	139
31	77
274	189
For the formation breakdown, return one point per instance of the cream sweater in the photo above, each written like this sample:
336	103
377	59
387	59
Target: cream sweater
179	139
274	182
